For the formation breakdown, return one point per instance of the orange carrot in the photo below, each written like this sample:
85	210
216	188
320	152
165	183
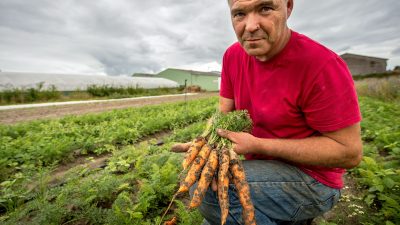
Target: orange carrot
205	179
243	189
194	149
223	184
181	147
195	169
173	221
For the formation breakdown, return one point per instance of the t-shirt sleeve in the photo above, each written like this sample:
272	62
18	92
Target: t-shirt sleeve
226	88
331	101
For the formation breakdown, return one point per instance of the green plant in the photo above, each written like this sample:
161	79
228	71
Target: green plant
120	92
46	143
187	217
383	188
34	94
385	89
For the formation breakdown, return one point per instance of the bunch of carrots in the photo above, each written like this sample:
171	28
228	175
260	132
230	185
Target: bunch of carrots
211	156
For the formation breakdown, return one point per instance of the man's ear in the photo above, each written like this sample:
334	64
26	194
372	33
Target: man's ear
289	5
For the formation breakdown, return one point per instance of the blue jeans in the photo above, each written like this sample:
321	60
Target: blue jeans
281	194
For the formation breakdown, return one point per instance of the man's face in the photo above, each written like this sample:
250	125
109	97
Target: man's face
260	25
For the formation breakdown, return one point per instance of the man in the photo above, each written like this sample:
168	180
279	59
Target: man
301	98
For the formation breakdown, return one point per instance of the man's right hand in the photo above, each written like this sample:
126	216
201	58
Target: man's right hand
181	147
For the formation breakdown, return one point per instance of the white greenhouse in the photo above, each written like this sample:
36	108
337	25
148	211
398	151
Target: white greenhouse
65	82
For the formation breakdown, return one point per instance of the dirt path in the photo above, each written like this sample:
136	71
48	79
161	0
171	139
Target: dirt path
21	115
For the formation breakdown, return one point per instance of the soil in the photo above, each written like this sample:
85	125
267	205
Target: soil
351	195
13	116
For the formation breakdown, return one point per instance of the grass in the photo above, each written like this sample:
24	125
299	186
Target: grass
377	75
385	89
40	94
22	95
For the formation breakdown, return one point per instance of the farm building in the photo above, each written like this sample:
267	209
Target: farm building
362	65
208	81
67	82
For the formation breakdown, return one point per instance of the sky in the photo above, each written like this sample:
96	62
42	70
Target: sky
122	37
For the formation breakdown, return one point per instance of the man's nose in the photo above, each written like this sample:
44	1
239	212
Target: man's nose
252	23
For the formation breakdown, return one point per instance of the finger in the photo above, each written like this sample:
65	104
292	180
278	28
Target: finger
225	133
214	185
180	147
234	147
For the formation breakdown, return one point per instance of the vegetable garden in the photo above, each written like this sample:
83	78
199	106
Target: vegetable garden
141	175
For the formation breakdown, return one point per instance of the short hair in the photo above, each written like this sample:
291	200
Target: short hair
229	2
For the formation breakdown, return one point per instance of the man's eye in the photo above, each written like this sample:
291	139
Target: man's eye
238	15
265	9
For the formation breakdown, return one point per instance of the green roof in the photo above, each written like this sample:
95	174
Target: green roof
193	72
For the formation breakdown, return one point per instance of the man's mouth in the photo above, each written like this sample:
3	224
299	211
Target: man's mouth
253	40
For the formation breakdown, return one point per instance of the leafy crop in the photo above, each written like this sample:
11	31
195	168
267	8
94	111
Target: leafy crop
379	171
134	188
30	147
45	143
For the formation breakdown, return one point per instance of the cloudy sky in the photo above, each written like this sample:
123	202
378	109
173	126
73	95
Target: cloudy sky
120	37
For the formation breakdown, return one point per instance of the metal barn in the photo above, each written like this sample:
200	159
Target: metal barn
363	65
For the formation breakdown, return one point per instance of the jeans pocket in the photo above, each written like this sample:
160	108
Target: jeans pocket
312	210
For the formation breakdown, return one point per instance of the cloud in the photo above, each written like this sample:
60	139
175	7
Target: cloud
396	51
127	36
364	27
117	37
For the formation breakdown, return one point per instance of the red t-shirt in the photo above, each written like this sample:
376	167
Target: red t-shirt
304	90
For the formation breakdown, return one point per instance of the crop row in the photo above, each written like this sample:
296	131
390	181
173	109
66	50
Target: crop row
134	188
45	143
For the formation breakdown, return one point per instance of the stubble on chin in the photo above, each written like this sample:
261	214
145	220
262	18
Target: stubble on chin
248	46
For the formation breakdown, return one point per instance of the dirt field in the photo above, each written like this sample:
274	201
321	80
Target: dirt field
21	115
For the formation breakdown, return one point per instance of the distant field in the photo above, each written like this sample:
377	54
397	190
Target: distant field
37	95
12	116
385	89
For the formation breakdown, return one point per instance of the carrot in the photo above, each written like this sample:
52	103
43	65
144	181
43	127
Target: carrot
205	179
181	147
194	149
199	156
223	184
243	189
173	221
195	169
